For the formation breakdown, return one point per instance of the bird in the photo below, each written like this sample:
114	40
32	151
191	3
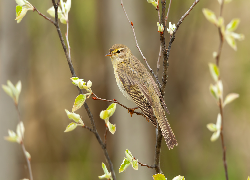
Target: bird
135	82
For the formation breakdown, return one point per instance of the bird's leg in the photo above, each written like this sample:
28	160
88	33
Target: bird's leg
131	110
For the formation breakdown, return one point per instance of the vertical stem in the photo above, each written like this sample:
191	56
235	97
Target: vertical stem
222	140
158	149
23	147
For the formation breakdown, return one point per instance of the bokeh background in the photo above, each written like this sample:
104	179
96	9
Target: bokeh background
31	52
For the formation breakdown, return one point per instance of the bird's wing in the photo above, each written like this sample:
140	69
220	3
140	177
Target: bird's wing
139	94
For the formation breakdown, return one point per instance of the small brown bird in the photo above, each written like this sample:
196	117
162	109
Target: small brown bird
135	82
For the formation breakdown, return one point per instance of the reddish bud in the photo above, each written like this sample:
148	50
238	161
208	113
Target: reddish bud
94	98
132	23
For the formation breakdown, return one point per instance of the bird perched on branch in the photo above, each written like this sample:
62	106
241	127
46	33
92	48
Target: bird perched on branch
135	82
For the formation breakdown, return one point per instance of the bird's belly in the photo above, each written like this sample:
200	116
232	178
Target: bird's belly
121	87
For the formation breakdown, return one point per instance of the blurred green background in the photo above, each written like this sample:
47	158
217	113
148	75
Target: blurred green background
31	52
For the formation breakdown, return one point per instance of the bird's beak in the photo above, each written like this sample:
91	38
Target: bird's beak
109	54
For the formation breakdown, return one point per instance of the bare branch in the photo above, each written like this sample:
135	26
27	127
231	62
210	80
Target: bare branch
137	45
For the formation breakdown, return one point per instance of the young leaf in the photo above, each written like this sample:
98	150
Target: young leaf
7	90
71	127
231	41
79	101
215	136
212	127
159	177
129	155
179	178
230	97
107	175
210	16
27	154
214	91
104	114
111	109
73	116
135	164
124	165
214	71
111	127
232	26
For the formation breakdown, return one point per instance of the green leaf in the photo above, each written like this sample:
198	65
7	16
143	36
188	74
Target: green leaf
107	175
159	177
129	155
214	91
210	16
104	114
79	101
111	127
18	10
51	12
215	136
135	164
124	165
232	26
7	90
237	36
248	178
214	71
231	41
212	127
111	109
20	2
179	178
230	97
220	89
73	116
71	127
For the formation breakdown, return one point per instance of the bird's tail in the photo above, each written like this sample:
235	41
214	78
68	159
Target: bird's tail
165	128
168	133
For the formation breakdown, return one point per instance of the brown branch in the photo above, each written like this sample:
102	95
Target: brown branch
220	100
35	9
222	139
130	110
166	19
103	145
138	47
166	52
146	165
158	149
23	147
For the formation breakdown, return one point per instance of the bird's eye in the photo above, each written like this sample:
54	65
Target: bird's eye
118	51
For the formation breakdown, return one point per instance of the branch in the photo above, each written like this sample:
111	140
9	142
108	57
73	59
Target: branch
137	45
50	20
158	149
94	130
220	100
130	110
166	52
146	165
23	147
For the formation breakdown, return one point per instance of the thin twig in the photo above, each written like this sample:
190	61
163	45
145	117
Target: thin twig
222	139
85	104
130	110
167	51
67	38
166	19
146	165
138	47
88	128
220	100
105	134
158	62
35	9
23	147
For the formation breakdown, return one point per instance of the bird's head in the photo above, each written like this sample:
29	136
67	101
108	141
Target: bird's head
118	52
